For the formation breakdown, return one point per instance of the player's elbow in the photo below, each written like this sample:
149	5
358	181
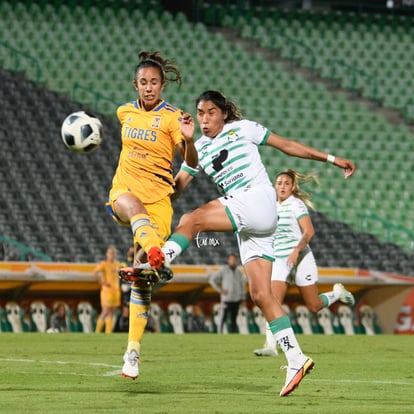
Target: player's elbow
308	234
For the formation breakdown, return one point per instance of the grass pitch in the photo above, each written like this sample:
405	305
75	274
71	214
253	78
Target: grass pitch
202	373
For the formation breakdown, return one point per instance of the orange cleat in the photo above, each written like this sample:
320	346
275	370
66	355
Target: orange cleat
155	257
295	375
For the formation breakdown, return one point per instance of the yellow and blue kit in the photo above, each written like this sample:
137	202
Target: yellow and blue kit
148	146
110	295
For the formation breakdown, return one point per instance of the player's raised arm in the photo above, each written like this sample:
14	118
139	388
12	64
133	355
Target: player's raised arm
187	148
297	149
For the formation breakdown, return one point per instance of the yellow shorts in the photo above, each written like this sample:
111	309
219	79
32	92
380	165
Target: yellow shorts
160	213
110	298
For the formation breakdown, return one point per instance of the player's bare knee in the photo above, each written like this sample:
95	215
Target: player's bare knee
258	297
127	206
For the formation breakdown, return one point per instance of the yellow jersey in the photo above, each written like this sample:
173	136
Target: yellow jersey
148	146
109	274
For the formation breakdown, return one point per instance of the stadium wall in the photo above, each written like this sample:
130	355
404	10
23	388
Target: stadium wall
385	293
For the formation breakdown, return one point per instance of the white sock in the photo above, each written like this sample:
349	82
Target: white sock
329	298
171	249
270	338
288	343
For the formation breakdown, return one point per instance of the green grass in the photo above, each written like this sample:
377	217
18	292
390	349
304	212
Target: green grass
202	373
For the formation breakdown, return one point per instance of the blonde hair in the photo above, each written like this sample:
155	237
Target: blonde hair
112	248
297	179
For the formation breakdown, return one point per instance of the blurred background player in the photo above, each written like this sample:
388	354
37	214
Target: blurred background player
196	321
229	155
59	320
230	283
144	182
294	260
107	272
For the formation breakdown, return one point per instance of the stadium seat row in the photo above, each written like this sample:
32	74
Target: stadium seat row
249	321
192	319
13	317
287	103
382	47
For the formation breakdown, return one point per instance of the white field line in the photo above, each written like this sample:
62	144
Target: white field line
90	364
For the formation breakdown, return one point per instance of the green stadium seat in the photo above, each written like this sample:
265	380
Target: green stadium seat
285	102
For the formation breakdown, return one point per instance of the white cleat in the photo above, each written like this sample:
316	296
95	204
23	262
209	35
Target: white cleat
265	352
131	362
295	375
344	295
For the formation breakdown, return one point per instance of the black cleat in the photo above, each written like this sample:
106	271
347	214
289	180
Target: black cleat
165	273
133	274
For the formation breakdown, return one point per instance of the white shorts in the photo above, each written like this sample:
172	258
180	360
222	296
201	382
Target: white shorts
305	272
253	213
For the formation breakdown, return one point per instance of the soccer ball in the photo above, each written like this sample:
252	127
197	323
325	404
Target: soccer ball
81	132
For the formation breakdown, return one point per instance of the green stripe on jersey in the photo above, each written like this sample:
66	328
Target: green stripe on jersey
238	184
265	138
191	171
229	132
233	222
230	161
232	172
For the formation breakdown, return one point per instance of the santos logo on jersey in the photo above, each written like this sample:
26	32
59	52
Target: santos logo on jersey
232	134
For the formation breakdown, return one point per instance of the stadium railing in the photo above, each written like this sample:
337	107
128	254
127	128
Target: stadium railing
409	111
22	61
388	228
354	74
99	101
25	252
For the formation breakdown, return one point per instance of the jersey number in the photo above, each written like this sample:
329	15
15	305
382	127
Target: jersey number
218	161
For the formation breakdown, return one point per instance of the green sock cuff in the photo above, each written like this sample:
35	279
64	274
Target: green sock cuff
279	324
180	239
325	300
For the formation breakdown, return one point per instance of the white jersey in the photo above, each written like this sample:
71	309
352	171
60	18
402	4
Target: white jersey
232	159
288	232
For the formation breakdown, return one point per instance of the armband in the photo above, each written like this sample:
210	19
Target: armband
330	158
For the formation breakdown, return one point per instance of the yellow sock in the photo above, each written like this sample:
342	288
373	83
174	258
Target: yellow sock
99	325
108	325
144	233
138	315
133	345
